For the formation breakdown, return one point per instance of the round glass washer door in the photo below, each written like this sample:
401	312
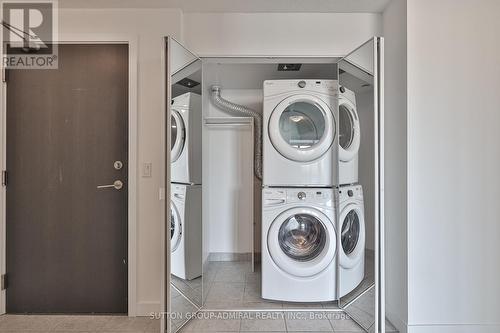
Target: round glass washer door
302	241
302	128
352	235
349	130
177	135
175	227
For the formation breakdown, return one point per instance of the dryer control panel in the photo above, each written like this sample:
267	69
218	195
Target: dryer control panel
273	87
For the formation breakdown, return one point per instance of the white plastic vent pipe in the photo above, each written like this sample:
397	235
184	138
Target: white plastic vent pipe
241	110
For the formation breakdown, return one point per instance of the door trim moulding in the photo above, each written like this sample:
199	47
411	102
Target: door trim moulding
132	41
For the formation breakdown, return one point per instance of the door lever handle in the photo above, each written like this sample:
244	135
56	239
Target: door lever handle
118	185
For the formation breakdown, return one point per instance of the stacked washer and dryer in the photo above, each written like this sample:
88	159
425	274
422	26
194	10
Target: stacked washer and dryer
186	191
299	227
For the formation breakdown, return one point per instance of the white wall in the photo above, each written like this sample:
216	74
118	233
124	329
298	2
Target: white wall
453	165
300	34
228	155
149	26
394	25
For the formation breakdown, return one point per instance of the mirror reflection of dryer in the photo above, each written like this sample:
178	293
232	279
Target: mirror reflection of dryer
349	137
185	131
352	236
299	132
185	231
298	245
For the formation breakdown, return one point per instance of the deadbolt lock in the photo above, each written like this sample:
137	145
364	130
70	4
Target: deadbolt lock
118	165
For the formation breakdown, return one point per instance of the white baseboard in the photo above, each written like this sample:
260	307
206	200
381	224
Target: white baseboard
453	328
145	308
229	256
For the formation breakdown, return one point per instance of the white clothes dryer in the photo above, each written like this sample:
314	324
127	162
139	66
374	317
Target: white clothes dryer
185	231
185	134
299	145
352	238
298	245
349	137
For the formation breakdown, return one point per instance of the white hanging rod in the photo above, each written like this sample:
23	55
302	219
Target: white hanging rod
228	121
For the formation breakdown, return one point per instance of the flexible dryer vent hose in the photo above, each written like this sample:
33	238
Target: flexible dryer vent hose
241	110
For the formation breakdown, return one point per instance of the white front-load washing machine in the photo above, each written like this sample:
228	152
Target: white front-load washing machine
349	137
185	134
298	245
299	145
185	231
352	238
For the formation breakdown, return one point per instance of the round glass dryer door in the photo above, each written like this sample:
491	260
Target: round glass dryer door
352	236
177	135
175	227
302	128
302	241
349	131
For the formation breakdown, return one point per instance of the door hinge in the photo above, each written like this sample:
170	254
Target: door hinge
5	281
5	178
4	74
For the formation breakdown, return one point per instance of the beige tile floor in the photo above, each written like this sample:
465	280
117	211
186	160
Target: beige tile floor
182	307
192	289
73	323
274	321
233	285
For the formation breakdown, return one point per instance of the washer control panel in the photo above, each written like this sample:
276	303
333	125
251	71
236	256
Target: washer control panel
273	197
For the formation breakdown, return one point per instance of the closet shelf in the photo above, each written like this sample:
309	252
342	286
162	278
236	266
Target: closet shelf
228	121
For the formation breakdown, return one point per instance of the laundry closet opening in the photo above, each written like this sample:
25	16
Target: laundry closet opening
290	188
232	191
285	174
234	243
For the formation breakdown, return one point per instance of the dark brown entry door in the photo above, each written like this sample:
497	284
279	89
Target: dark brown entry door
67	239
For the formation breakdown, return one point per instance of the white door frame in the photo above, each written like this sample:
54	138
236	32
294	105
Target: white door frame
132	41
166	83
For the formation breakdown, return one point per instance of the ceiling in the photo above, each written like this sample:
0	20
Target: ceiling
239	6
252	75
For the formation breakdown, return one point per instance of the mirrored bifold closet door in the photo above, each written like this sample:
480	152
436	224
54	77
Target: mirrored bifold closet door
360	193
183	229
